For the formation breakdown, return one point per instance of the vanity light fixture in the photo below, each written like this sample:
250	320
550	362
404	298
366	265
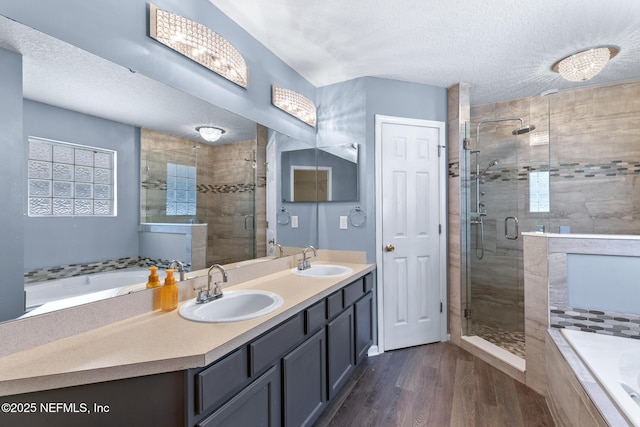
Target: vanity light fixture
295	104
210	133
585	65
199	43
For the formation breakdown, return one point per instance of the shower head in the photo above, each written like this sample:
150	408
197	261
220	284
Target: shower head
524	129
492	164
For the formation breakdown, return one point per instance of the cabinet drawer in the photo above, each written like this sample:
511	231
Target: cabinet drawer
272	345
334	304
220	380
368	282
353	291
315	317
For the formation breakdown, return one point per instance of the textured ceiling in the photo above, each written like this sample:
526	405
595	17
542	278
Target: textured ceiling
504	49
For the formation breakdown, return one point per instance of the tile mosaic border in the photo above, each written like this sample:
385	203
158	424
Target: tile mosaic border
597	321
208	188
567	170
71	270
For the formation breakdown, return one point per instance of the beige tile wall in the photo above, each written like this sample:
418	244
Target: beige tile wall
227	184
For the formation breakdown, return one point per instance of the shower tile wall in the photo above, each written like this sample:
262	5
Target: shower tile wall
594	179
458	115
225	190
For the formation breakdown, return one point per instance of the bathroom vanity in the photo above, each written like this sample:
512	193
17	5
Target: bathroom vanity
281	369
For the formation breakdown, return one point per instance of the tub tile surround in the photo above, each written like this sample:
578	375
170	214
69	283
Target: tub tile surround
24	334
553	368
573	393
72	270
588	319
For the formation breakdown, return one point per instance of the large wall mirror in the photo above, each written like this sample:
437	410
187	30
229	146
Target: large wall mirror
322	174
76	97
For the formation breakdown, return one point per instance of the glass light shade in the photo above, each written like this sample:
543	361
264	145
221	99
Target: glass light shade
584	65
198	43
210	134
295	104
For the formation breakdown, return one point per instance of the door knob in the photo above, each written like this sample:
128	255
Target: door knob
389	248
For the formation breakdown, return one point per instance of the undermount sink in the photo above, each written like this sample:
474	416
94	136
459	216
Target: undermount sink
323	270
234	306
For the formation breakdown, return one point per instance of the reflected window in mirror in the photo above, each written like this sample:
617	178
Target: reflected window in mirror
181	189
67	179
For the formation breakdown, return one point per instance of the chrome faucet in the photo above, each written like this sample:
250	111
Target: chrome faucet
180	267
209	294
304	264
280	248
273	242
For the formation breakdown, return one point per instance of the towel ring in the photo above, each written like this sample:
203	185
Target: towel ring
357	217
283	217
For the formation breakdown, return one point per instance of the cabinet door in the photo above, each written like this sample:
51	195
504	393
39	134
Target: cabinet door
305	382
257	405
364	326
340	350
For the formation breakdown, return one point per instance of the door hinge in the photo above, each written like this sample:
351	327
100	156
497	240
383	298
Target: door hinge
439	228
439	148
467	313
440	306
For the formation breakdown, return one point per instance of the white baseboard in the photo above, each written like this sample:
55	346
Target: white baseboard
373	351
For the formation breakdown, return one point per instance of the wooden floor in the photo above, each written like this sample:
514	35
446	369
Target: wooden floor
434	385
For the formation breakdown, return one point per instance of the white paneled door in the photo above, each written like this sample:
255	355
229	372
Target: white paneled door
411	226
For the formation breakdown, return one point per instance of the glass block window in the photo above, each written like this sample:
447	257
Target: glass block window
539	191
181	189
70	180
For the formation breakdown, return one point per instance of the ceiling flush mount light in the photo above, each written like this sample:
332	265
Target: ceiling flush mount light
197	42
209	133
585	65
295	104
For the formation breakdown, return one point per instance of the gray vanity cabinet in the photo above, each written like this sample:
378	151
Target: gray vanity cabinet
304	382
312	354
257	405
284	377
340	350
363	325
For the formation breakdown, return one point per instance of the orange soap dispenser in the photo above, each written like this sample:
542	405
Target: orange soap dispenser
169	293
154	280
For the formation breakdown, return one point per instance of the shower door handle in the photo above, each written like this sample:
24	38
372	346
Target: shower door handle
506	228
246	223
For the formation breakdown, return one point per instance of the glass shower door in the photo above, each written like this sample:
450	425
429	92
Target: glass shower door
495	305
230	203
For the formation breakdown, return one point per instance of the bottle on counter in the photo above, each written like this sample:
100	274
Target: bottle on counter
169	293
154	280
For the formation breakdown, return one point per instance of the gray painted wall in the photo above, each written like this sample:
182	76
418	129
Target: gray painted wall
50	242
347	114
117	30
11	185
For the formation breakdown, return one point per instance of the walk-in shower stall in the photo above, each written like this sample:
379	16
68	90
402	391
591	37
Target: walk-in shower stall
505	169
